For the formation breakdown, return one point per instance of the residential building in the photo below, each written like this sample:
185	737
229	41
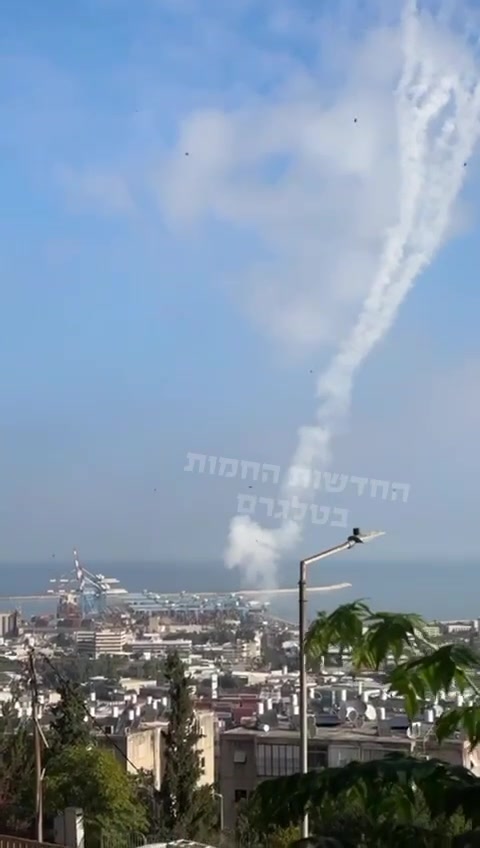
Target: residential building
139	742
206	745
137	749
8	624
97	643
249	756
154	647
433	630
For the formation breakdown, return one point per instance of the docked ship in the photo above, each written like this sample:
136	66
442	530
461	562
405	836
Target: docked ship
90	593
110	586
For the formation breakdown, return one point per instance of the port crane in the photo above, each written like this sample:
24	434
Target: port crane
92	590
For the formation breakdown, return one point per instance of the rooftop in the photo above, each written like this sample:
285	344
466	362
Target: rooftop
343	733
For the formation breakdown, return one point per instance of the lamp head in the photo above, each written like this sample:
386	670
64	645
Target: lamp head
361	536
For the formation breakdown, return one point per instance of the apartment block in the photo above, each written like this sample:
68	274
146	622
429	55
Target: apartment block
8	624
97	643
249	756
139	743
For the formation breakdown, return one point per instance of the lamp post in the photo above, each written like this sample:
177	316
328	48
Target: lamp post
358	537
220	798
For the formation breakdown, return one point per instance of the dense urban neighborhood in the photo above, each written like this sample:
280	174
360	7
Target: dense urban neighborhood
130	708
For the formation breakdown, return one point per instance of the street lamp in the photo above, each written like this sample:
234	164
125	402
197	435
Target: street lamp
220	798
357	537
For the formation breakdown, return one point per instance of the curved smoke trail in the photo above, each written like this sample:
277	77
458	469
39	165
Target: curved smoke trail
438	119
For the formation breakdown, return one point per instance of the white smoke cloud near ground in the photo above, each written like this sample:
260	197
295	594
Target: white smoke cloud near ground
436	125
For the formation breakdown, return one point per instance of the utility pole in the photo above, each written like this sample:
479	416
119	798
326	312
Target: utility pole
37	739
356	537
302	622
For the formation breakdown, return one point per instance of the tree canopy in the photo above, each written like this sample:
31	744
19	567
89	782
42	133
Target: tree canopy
93	779
77	773
80	773
397	801
16	775
185	810
70	724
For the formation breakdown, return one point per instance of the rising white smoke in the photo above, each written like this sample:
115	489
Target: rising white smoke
438	125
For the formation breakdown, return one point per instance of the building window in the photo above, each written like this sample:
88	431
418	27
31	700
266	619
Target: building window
240	795
317	759
277	760
239	756
202	763
343	757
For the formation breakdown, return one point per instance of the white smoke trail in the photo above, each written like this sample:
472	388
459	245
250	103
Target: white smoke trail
438	120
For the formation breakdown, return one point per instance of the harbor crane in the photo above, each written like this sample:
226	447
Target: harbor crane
92	590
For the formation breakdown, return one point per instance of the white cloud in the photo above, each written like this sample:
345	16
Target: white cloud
309	171
313	177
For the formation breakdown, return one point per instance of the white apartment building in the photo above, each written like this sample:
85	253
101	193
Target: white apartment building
98	643
154	647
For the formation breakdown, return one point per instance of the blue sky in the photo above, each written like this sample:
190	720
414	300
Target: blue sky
155	303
